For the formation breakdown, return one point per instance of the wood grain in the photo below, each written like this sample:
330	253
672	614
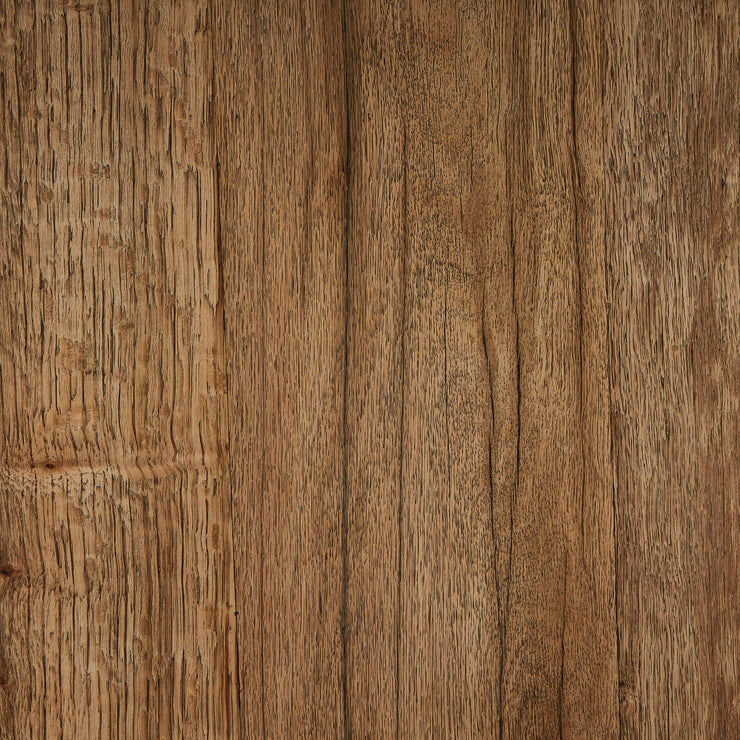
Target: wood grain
560	667
376	363
369	368
672	147
284	231
115	531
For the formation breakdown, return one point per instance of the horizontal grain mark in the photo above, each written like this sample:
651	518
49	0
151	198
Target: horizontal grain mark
129	469
437	270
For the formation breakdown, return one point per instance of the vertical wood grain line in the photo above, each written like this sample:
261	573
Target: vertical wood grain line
404	216
575	192
608	278
345	500
263	364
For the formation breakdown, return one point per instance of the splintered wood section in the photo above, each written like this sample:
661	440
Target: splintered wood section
238	137
369	368
116	605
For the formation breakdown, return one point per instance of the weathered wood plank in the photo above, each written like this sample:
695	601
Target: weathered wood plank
281	132
369	368
447	645
376	366
560	664
116	552
671	152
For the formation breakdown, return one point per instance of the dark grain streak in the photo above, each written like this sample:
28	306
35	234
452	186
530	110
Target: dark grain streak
346	698
404	217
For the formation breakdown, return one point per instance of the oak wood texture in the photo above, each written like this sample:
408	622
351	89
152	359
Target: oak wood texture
369	368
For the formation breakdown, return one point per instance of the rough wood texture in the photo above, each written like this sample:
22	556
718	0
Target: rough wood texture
671	143
116	611
369	368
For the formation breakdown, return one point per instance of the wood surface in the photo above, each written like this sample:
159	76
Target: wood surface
369	368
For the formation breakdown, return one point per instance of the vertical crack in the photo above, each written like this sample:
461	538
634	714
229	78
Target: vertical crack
310	175
263	421
221	316
499	616
576	187
610	378
345	503
562	647
515	490
404	256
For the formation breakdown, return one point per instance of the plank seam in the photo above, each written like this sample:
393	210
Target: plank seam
345	502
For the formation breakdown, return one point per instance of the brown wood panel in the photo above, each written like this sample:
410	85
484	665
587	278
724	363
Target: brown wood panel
284	235
671	148
115	545
560	662
376	364
447	638
369	368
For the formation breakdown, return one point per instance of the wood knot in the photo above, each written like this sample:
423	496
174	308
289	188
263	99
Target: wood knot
10	571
